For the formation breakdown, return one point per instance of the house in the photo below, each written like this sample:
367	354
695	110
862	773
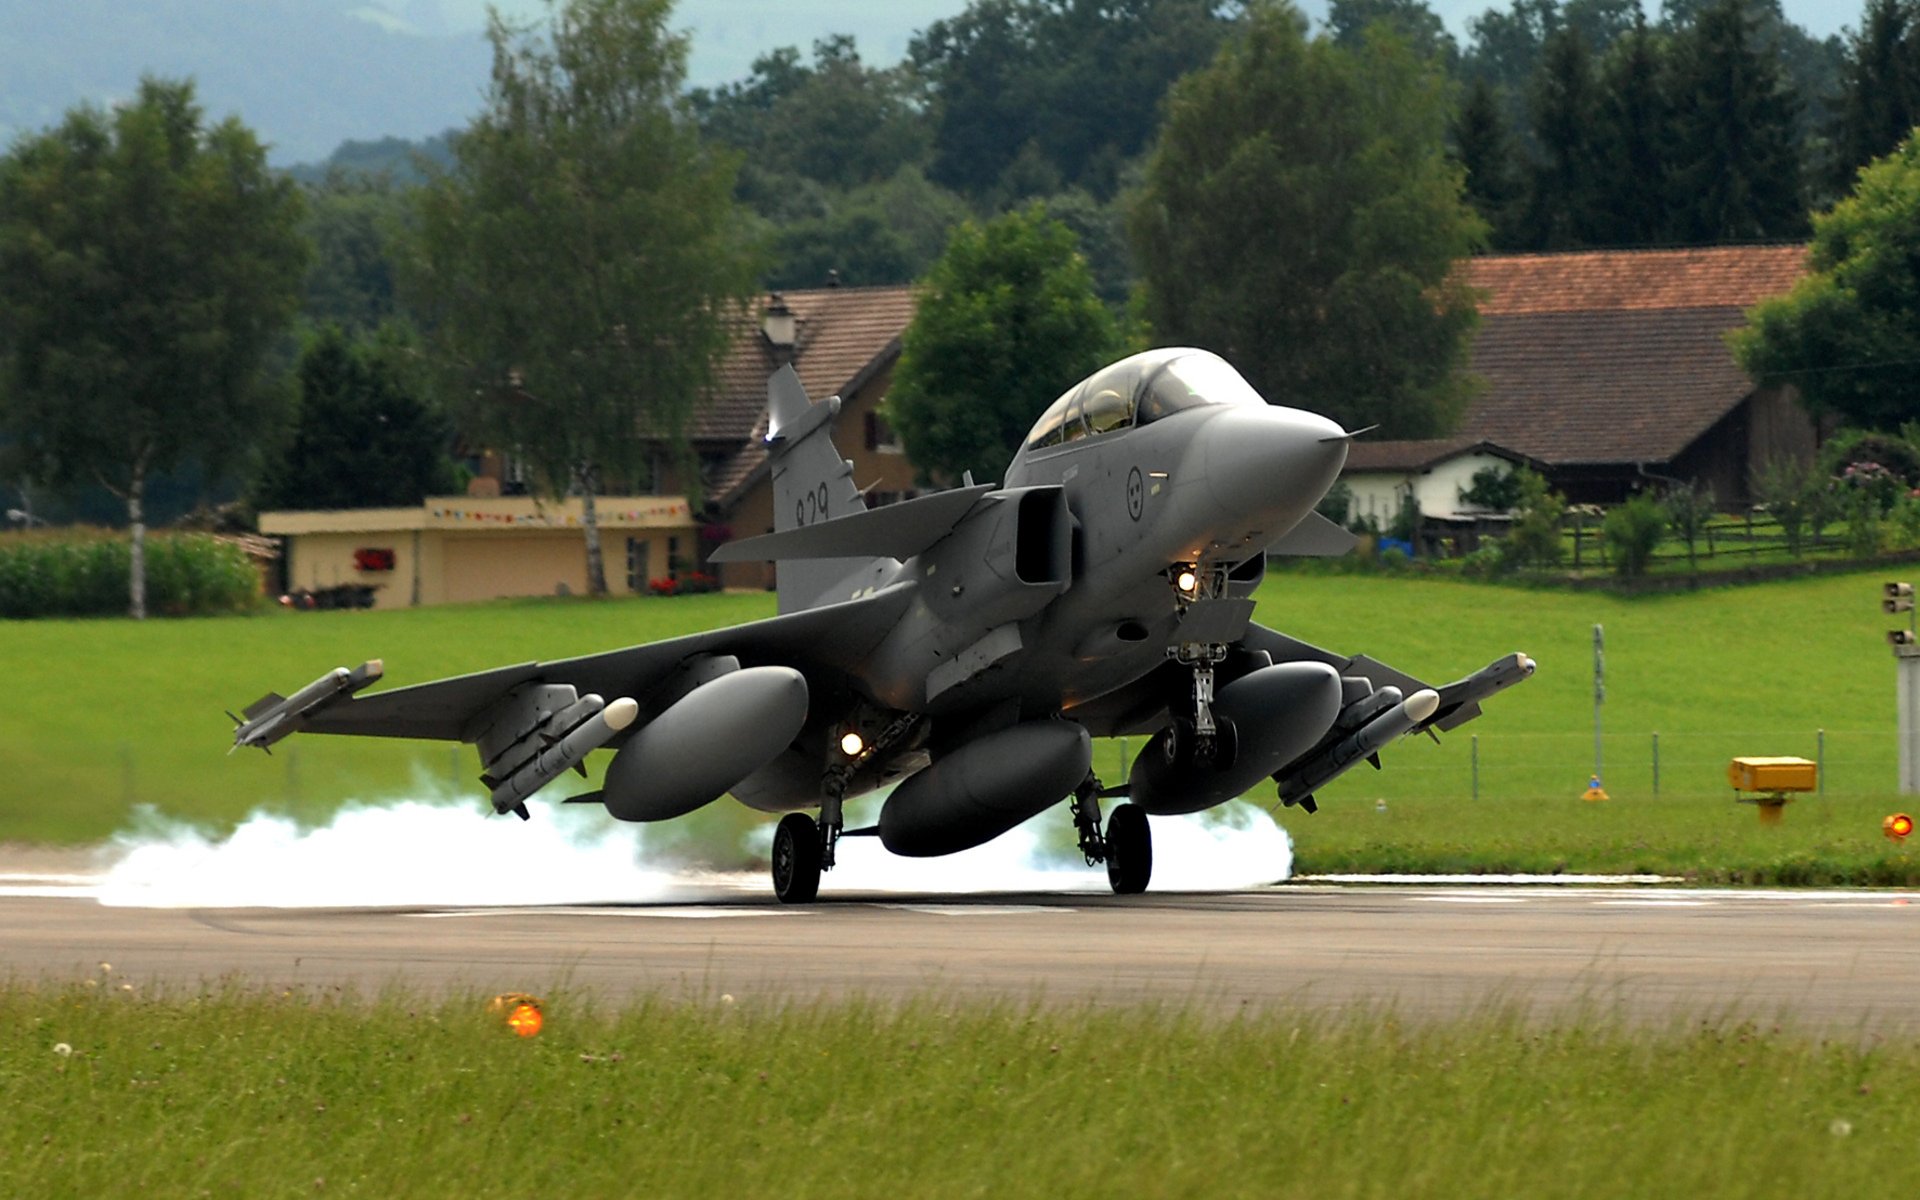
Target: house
841	341
1382	477
1611	368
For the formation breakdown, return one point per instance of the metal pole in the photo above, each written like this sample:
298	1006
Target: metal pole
1656	764
1599	691
1476	766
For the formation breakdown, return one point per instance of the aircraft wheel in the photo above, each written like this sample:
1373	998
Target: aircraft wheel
796	859
1129	850
1226	743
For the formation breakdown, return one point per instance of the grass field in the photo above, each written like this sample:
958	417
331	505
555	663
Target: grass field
230	1093
103	715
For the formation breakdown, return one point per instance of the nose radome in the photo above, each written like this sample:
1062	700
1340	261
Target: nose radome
1271	459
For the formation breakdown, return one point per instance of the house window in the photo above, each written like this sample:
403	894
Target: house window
673	558
636	565
881	439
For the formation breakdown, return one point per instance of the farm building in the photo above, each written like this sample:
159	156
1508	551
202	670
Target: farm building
1611	368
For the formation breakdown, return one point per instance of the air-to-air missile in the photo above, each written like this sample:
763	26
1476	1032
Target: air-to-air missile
274	716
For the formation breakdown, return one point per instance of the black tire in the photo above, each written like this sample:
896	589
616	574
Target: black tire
796	859
1129	850
1226	743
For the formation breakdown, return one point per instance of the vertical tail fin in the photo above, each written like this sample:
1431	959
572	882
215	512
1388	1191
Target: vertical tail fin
811	483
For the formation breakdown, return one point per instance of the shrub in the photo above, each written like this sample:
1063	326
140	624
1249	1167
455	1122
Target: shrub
1534	538
1634	530
80	573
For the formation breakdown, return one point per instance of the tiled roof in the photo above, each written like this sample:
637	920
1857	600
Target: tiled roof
1366	455
1621	280
1614	356
840	332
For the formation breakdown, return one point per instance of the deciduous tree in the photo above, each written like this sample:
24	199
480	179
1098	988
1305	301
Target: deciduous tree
1008	320
1301	217
1848	333
578	264
148	263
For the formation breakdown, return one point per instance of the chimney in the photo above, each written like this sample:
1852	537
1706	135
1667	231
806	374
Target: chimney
779	326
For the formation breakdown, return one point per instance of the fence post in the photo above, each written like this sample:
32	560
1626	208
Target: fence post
1820	761
1476	765
453	767
293	774
1656	764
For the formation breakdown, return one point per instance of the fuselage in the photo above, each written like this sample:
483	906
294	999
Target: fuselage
1163	461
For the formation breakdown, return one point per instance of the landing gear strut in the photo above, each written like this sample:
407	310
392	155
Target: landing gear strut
1202	738
1085	808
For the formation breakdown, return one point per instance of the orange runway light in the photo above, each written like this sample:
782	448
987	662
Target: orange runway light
521	1012
1897	827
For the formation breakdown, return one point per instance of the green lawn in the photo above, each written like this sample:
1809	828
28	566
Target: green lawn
106	714
230	1093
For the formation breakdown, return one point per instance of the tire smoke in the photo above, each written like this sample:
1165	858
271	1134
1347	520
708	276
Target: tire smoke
442	853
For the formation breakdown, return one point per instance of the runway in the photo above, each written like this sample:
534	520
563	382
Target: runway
1841	960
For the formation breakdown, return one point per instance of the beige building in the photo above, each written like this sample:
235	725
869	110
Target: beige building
463	548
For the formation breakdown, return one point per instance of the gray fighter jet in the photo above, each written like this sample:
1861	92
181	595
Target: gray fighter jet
966	646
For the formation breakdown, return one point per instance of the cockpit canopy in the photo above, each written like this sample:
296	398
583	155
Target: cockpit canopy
1138	391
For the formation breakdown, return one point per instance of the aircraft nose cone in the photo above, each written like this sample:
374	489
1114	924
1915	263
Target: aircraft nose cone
1273	459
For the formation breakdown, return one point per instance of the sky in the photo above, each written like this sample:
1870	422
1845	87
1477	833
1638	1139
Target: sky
729	34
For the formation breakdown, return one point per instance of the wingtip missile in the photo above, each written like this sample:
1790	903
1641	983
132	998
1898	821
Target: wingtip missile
273	717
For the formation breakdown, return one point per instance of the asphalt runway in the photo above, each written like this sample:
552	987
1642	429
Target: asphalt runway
1835	960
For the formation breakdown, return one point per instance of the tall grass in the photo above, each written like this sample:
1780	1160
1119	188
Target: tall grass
239	1093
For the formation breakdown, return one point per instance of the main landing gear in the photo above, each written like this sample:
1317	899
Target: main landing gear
797	846
1127	845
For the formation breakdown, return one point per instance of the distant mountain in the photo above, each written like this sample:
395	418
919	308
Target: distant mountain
304	74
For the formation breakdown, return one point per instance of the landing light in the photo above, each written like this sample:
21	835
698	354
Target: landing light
852	744
1897	827
1186	581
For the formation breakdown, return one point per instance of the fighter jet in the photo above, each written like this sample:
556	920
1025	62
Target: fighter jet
965	647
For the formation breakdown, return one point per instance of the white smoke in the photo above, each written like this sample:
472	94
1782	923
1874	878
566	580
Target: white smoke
439	853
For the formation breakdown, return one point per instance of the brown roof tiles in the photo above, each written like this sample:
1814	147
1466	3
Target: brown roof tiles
1614	356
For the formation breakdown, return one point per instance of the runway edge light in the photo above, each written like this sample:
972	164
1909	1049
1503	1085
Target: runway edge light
523	1014
1897	827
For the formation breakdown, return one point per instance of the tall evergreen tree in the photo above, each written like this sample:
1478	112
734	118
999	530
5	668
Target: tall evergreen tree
1879	100
1564	181
1635	131
1484	148
1737	173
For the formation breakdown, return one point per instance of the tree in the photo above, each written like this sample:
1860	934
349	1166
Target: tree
1008	321
1483	146
1879	101
578	265
1635	129
1735	142
839	121
1412	21
351	219
1301	217
1564	183
1079	80
1848	333
364	438
149	263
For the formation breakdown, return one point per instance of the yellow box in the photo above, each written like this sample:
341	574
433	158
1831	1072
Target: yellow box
1749	774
